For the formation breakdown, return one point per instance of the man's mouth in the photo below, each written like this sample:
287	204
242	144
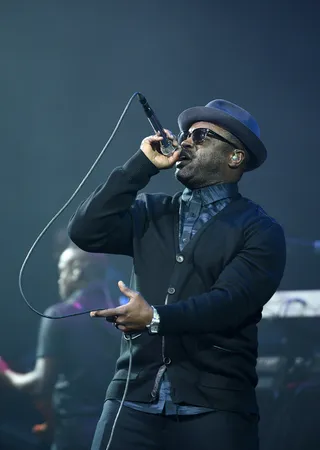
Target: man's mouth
182	163
184	158
184	155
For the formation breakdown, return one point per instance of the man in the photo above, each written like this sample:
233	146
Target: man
75	357
205	262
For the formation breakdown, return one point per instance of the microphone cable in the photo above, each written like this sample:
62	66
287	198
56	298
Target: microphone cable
33	246
129	338
61	211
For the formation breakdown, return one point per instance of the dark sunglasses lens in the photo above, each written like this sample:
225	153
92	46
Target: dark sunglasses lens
199	135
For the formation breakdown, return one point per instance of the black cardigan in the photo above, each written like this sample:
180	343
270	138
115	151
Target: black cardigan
214	289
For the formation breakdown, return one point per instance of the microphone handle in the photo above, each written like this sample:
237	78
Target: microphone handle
166	146
167	151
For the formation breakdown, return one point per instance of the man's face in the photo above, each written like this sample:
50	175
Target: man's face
68	273
205	162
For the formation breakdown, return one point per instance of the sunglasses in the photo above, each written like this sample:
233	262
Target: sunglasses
199	135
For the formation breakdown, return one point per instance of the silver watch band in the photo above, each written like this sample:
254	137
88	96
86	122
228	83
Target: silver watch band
153	326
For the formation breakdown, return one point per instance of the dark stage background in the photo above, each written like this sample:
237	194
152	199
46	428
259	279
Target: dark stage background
67	71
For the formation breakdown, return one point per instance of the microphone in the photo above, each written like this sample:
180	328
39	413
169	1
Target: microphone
166	146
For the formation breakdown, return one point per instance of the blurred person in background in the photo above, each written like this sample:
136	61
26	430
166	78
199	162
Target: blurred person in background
75	358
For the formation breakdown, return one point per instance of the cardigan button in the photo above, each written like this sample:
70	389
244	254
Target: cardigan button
171	290
167	360
179	258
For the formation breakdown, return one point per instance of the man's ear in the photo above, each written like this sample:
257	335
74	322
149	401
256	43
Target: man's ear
236	158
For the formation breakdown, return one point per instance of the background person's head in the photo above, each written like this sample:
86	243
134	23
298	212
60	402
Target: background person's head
77	269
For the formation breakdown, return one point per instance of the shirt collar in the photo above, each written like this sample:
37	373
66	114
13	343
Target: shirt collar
210	194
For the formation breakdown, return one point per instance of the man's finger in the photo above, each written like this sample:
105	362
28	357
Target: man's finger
120	310
169	133
175	156
121	320
152	139
129	329
125	290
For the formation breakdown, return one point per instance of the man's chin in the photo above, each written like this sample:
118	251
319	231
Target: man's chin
183	175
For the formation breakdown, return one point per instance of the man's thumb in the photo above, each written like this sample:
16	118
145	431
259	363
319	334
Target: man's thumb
124	289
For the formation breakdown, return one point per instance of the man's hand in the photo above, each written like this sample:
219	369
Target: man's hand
135	315
151	147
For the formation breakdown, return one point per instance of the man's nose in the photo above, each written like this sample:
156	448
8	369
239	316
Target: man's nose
187	143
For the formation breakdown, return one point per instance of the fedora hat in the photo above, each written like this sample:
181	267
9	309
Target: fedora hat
232	118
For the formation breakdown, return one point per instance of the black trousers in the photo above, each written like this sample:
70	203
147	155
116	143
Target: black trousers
135	430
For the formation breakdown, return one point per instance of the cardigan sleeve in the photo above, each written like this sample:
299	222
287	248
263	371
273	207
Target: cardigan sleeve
243	287
104	222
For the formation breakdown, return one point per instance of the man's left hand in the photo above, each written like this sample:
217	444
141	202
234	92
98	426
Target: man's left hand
135	315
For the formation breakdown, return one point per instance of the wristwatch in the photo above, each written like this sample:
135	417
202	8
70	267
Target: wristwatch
153	326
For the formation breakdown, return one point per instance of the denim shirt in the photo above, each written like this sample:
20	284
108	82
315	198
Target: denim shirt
196	208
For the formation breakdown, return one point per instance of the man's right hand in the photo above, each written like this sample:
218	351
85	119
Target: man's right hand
151	148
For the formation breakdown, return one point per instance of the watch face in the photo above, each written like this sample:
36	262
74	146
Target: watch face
153	329
154	325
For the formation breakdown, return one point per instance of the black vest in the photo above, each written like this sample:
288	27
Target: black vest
210	370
